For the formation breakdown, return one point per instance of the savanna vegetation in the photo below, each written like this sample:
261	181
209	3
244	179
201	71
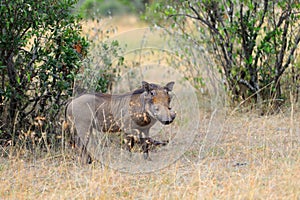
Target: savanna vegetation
48	48
253	43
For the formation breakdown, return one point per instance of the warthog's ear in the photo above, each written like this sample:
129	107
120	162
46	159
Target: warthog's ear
146	86
169	86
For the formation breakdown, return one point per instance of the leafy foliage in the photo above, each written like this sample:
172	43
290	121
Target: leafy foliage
41	51
101	69
253	42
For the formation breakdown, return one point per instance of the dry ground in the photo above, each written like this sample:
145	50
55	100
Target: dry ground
251	157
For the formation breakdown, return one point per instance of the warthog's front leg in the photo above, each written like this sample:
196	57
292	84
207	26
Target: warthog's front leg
145	147
155	143
130	141
146	144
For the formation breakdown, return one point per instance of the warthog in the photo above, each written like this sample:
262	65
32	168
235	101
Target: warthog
133	113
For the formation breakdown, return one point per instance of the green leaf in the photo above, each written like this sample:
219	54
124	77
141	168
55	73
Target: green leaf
28	77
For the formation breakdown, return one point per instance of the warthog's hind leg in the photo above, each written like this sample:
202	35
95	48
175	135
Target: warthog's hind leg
84	156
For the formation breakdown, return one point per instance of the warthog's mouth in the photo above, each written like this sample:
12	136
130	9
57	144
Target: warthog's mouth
166	122
169	120
164	119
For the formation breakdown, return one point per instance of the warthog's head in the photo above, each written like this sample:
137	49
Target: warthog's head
158	102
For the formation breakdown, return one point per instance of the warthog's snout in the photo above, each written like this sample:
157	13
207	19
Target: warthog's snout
170	118
163	114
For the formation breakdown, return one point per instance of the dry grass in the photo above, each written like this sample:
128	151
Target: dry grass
251	158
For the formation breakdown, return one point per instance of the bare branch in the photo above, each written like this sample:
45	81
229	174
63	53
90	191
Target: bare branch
291	54
34	57
266	3
279	58
247	84
209	25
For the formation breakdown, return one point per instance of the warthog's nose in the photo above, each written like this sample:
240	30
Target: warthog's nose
171	118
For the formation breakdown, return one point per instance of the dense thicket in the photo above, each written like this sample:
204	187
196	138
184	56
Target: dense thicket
41	51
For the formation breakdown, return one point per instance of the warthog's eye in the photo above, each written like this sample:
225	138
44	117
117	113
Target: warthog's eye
152	92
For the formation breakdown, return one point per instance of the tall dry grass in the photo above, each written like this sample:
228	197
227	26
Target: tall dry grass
252	158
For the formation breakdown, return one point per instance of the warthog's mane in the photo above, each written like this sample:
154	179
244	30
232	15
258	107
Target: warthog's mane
118	102
124	95
135	92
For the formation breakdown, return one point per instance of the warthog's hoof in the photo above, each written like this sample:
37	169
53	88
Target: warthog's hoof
146	156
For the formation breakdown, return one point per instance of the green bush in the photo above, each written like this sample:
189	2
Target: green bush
41	51
102	68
